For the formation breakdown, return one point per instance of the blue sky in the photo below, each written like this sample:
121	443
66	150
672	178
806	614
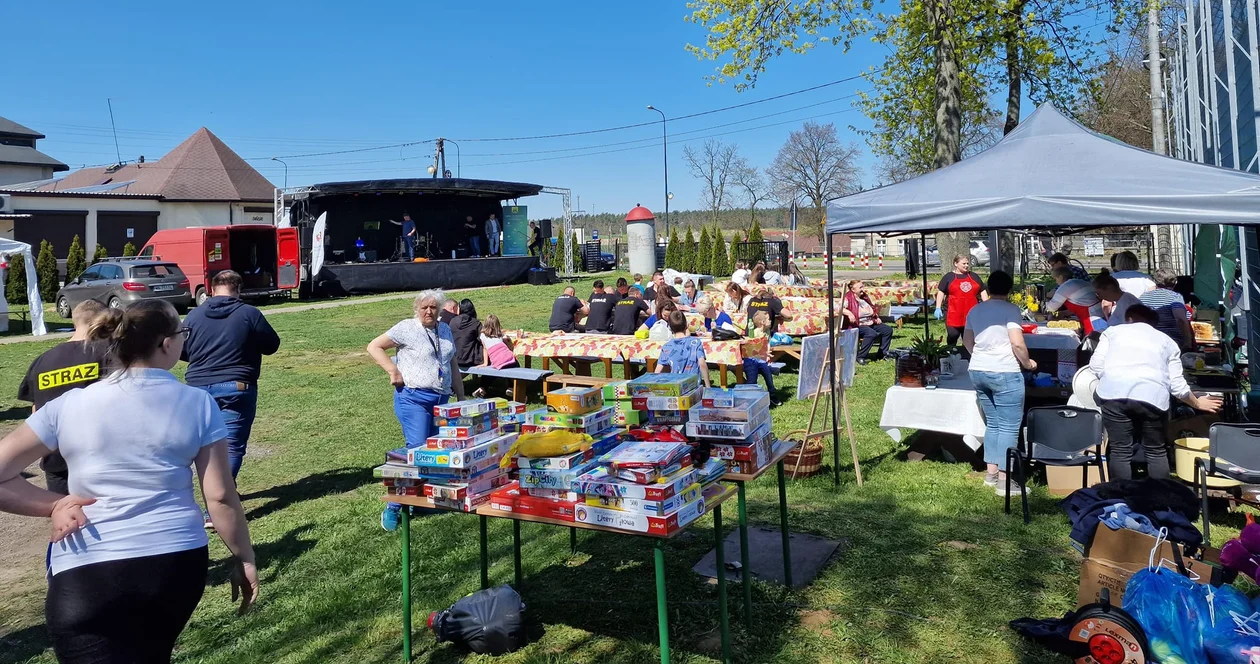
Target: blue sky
276	79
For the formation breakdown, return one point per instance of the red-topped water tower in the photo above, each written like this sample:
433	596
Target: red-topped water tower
641	240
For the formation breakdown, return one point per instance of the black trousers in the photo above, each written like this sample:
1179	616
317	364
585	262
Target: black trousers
124	611
867	334
952	335
1131	424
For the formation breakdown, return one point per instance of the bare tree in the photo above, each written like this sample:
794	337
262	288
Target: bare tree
756	189
714	163
814	164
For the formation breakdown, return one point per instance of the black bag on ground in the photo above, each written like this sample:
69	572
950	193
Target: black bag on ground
487	622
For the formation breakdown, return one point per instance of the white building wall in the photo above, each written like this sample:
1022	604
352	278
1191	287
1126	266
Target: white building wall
188	215
15	173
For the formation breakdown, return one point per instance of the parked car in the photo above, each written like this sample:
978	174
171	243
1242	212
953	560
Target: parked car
607	261
979	254
119	282
266	257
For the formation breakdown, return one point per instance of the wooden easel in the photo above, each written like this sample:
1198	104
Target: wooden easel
825	432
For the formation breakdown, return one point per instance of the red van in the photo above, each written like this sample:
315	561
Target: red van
266	257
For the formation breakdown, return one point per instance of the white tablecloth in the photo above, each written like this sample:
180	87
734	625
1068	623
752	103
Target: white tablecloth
950	408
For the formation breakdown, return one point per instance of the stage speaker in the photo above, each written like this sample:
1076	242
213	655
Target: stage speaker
369	256
461	252
542	276
545	226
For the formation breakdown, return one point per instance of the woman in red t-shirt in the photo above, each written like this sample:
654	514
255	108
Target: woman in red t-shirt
958	291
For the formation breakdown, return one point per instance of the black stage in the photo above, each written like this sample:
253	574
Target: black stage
359	278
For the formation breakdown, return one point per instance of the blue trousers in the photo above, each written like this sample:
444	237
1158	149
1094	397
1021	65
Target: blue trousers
754	367
1001	396
414	409
474	246
493	244
409	244
239	406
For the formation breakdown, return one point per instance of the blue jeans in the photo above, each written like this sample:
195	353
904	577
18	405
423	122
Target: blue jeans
239	408
409	244
474	246
414	409
753	368
493	244
1001	397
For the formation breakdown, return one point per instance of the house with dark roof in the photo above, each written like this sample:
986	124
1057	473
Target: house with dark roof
20	161
200	182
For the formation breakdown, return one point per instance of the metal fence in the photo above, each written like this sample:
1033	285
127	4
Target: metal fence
773	254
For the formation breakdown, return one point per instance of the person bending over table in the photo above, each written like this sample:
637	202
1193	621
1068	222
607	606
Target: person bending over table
736	300
422	371
599	308
958	292
629	312
859	311
566	311
1109	290
683	353
1170	306
1138	367
993	336
1061	260
1079	299
656	327
712	316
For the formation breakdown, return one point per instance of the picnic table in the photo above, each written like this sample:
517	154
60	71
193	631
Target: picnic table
574	353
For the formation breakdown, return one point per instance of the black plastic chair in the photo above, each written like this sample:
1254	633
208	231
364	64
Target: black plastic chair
1233	453
1056	436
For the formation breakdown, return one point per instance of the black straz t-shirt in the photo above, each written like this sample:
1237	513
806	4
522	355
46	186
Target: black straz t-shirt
562	312
600	316
625	316
62	368
769	304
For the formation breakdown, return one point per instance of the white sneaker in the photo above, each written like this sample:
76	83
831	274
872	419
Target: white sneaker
1000	489
991	479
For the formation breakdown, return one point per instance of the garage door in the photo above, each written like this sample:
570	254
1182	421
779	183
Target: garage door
58	227
115	229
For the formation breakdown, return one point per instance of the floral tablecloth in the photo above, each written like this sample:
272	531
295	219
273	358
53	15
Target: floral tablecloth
615	347
801	325
897	292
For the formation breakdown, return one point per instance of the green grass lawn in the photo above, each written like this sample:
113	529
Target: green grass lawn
930	569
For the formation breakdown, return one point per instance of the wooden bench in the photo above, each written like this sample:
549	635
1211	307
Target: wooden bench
568	380
779	352
520	378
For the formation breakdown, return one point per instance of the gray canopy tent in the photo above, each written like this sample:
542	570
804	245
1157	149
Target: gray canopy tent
1054	175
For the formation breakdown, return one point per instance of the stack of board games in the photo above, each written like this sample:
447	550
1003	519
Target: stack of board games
665	398
543	484
736	423
511	415
617	394
458	468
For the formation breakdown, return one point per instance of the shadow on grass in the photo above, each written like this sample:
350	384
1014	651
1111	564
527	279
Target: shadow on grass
24	644
15	414
307	488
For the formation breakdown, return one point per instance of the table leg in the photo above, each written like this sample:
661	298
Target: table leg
744	555
662	609
405	513
573	541
723	610
608	368
783	526
722	374
485	555
516	552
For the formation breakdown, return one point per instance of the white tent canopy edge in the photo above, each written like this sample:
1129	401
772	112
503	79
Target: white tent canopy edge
12	248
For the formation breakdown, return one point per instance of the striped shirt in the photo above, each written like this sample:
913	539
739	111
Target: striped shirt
1169	305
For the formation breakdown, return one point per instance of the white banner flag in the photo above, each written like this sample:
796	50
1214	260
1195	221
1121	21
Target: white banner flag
317	245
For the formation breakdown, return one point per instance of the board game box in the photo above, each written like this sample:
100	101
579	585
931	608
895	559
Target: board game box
616	390
464	408
404	490
645	475
594	421
460	458
727	429
629	417
762	439
685	402
552	479
554	494
711	471
575	400
722	397
664	385
485	420
461	490
556	463
440	443
469	504
599	482
650	507
663	418
511	498
471	472
640	523
746	407
401	481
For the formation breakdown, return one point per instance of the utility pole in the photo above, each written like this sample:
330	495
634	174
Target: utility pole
1163	239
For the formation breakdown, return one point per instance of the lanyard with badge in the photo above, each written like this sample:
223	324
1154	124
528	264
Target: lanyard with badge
437	354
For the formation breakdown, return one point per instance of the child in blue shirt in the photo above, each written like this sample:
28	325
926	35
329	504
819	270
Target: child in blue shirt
683	353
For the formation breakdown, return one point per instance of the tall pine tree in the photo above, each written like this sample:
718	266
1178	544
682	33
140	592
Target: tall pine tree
704	253
720	261
758	250
15	286
100	254
688	253
46	267
76	261
557	255
673	251
575	248
129	249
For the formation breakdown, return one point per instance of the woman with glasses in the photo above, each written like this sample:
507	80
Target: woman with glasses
129	553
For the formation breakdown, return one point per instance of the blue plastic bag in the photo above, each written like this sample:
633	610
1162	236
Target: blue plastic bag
1172	611
1221	639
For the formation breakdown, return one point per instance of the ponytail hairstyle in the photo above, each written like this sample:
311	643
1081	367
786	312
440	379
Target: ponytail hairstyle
136	332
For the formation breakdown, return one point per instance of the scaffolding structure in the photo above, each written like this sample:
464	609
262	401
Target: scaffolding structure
566	196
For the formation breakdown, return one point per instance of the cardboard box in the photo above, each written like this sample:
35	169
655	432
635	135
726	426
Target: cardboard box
728	429
440	443
404	490
594	421
462	490
721	397
1063	480
649	507
664	385
556	463
575	400
747	407
632	418
685	402
617	390
511	498
469	504
467	474
1116	555
485	420
641	523
554	494
552	479
598	482
399	481
466	408
460	458
663	418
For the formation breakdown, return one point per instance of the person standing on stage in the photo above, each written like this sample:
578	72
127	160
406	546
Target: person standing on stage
492	235
77	363
409	236
535	239
226	341
474	238
958	292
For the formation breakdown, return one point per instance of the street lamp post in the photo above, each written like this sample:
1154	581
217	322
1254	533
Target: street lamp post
458	167
286	171
665	154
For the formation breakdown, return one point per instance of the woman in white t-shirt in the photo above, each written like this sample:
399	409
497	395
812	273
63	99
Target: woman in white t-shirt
996	341
129	552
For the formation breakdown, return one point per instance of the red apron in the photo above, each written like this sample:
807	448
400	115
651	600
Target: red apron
1082	314
964	293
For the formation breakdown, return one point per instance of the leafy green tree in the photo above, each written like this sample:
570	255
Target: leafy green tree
557	255
720	261
704	253
575	248
46	268
688	253
76	261
731	257
758	250
129	249
673	251
100	254
15	285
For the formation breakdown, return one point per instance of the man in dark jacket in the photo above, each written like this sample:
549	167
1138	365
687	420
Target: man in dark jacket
224	353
